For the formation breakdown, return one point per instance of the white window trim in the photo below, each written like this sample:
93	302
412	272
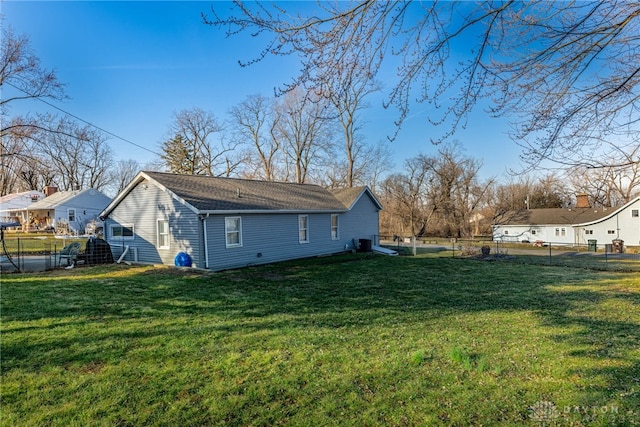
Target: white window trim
75	216
126	225
166	233
226	232
300	229
337	227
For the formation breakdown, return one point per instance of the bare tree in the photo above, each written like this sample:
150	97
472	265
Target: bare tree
253	120
609	186
404	196
123	174
455	191
567	73
78	155
21	78
346	86
305	131
21	70
190	148
528	192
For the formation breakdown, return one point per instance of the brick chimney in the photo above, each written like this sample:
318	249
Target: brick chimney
582	201
49	190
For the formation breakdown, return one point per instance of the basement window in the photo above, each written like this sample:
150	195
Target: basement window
122	232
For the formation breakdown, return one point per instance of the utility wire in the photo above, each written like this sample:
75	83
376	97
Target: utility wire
82	120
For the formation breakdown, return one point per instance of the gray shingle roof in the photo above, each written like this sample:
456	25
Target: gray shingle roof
207	193
558	216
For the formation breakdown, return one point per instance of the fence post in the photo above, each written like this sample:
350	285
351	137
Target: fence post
20	267
550	263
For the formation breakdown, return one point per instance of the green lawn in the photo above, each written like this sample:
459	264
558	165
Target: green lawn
346	340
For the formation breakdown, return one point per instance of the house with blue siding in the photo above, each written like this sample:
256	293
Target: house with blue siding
224	223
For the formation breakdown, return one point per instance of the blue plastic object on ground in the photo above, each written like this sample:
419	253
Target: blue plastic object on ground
182	260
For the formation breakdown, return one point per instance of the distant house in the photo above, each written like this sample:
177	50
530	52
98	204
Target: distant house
224	223
68	211
12	206
571	226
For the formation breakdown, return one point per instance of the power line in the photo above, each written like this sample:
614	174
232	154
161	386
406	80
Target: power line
82	120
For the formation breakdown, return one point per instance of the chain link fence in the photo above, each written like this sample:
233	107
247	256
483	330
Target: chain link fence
24	253
597	257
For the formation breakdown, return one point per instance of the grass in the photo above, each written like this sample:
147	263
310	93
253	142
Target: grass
34	243
348	340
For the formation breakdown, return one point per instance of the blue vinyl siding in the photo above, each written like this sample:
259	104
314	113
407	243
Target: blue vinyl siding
268	238
143	208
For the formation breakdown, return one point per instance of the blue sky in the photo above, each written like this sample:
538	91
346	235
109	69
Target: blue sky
128	66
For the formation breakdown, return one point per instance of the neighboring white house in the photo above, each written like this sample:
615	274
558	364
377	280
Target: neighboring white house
224	223
571	226
12	206
66	211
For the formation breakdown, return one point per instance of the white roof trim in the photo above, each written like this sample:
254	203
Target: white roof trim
370	193
135	182
612	214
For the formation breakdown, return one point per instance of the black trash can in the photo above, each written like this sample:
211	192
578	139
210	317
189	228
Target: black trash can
365	245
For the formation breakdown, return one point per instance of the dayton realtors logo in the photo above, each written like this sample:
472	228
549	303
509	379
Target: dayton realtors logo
544	412
547	413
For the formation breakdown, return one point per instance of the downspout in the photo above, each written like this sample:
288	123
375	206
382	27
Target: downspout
206	246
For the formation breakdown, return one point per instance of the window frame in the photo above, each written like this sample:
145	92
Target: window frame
228	231
335	228
304	229
70	212
122	227
165	234
635	213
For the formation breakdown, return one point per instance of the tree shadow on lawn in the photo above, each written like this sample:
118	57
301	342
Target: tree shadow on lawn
328	293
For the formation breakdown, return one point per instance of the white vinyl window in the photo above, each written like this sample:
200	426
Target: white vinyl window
588	231
563	231
635	213
163	234
122	231
334	227
71	215
303	228
233	231
611	231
